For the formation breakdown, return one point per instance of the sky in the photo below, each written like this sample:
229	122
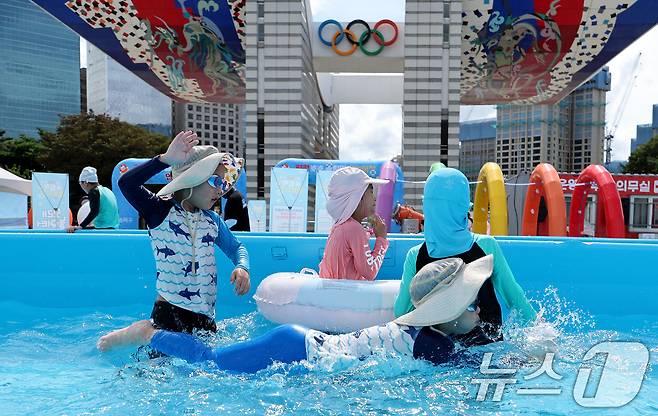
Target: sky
374	131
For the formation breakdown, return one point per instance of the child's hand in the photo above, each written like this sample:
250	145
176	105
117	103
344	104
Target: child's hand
378	225
179	148
240	279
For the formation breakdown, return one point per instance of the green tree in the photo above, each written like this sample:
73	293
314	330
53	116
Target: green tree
644	159
21	156
99	141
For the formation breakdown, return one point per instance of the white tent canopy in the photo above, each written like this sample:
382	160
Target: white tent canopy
14	184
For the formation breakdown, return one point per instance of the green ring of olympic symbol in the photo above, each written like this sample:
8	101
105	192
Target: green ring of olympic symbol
362	45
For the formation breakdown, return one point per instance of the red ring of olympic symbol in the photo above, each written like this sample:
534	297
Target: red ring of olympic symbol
366	35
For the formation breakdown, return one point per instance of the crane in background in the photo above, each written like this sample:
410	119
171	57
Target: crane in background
610	134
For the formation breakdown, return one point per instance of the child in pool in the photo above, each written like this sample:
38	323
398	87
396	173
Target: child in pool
347	254
446	203
184	230
444	293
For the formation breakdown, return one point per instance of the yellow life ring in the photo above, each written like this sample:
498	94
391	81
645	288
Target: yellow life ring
490	201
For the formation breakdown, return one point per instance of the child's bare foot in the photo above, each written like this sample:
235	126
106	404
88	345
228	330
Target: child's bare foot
139	333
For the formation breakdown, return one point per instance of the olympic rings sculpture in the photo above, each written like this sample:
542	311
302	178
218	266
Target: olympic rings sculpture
368	33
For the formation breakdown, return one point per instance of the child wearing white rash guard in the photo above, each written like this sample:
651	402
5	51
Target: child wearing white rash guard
445	296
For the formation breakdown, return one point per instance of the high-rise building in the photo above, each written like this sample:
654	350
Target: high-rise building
587	105
117	92
83	90
285	113
569	135
646	132
40	69
432	67
220	125
477	145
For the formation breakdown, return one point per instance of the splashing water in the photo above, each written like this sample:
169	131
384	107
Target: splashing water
49	365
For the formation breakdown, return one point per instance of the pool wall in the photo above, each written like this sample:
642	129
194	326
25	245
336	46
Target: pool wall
114	268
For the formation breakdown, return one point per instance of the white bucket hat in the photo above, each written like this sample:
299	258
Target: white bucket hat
441	291
345	190
199	167
88	174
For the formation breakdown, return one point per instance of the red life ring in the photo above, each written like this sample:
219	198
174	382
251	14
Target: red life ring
610	216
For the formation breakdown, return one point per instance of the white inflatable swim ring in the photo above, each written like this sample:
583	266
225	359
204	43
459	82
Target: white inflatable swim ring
83	212
328	305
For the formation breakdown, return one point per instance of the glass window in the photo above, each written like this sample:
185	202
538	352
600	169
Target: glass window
655	213
640	213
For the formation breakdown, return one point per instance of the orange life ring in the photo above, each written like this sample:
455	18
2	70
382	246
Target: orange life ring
545	182
610	216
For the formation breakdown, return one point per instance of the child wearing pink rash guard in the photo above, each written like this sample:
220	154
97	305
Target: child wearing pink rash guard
348	254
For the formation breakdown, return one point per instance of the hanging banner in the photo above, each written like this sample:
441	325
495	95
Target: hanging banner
288	200
627	185
13	210
257	216
50	201
323	220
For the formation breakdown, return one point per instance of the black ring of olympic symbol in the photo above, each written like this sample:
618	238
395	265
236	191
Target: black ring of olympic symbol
362	40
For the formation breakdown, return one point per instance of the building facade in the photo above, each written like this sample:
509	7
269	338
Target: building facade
569	135
117	92
477	146
40	69
285	113
220	125
432	68
83	90
646	132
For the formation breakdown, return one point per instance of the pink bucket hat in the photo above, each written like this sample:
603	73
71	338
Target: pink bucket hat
345	190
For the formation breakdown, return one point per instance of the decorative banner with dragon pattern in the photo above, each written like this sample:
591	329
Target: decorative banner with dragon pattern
191	50
513	51
538	51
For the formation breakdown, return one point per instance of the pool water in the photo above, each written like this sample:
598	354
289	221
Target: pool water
49	365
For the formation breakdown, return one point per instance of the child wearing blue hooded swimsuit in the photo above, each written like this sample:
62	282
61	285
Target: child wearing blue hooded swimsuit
446	203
